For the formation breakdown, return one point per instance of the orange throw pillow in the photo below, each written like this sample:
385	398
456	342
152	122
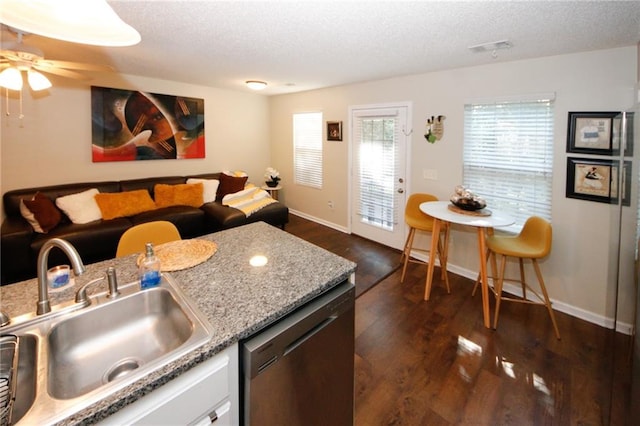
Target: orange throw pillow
122	204
186	194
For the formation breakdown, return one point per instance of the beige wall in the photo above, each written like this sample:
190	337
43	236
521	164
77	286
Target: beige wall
579	276
52	143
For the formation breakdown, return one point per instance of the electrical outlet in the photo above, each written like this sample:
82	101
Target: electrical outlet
330	204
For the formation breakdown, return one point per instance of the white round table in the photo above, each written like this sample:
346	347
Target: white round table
441	212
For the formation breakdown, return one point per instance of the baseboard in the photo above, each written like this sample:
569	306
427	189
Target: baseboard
320	221
606	322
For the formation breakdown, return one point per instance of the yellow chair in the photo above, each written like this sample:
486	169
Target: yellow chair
533	242
134	239
419	221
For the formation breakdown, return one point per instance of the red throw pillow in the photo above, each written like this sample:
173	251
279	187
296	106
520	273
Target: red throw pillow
230	185
41	213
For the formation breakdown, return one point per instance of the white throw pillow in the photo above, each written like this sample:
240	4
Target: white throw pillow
81	207
210	188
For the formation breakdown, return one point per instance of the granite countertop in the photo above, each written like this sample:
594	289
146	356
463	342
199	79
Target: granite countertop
237	298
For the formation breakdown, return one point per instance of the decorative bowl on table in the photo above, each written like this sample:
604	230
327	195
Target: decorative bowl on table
469	204
467	200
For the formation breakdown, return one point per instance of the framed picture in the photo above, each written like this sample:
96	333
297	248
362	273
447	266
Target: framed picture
617	134
597	180
625	189
334	130
591	132
129	125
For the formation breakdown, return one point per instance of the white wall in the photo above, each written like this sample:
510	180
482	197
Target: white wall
52	143
577	273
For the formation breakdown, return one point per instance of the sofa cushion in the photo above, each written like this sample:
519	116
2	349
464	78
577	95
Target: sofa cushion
80	207
209	188
188	220
230	184
94	241
123	204
150	183
41	213
186	194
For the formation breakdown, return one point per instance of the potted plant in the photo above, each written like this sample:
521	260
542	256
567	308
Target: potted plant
272	177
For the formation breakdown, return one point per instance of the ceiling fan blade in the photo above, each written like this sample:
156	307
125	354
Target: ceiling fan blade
62	72
72	65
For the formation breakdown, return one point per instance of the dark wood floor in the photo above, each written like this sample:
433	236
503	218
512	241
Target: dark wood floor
434	363
375	261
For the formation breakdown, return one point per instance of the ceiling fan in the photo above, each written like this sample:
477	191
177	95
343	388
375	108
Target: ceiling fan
17	57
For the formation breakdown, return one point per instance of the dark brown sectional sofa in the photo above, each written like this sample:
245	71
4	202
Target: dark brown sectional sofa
98	240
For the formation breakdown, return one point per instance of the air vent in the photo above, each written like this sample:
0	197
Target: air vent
491	47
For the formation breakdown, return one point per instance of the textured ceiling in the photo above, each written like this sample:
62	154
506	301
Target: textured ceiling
296	46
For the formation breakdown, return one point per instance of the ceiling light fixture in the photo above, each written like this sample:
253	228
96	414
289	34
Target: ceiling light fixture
255	84
11	78
37	81
88	21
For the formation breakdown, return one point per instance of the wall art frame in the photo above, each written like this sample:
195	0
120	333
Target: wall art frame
617	134
130	125
334	130
591	132
594	179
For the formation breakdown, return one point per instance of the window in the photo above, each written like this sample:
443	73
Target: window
307	149
508	155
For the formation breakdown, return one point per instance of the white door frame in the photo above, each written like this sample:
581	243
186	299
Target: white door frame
408	133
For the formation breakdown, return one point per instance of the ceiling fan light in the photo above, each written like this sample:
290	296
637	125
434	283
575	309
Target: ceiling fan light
256	85
88	21
11	78
37	81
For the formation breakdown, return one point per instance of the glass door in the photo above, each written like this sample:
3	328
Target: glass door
378	149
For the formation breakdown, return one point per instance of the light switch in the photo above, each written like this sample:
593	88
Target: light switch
431	174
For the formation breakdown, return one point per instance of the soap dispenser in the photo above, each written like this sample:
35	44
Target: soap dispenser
149	270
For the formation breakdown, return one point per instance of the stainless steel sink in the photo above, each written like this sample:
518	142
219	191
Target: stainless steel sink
91	350
72	358
27	373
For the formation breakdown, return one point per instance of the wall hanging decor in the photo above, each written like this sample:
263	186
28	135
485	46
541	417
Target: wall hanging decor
597	180
434	128
334	130
590	132
131	125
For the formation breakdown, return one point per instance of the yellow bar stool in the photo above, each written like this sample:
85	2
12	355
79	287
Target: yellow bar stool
418	221
533	242
134	239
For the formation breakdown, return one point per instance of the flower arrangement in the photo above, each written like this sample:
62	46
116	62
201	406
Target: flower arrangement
272	177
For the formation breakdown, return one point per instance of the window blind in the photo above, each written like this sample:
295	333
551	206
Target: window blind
307	147
508	156
377	159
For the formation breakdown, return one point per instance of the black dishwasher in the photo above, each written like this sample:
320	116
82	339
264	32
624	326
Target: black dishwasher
299	371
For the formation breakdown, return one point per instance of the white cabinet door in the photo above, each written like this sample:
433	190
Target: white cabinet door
191	398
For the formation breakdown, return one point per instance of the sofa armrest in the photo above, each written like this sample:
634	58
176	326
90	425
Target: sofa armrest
218	216
15	244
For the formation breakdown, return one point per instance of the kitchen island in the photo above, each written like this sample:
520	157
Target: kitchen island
238	299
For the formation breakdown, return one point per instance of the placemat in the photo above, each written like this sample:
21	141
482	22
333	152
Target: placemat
481	212
182	254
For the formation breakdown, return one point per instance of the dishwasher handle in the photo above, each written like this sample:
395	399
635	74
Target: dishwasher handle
269	345
309	334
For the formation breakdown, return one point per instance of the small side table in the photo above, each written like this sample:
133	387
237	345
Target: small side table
272	190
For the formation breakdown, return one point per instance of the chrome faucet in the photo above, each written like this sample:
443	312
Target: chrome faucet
43	291
112	280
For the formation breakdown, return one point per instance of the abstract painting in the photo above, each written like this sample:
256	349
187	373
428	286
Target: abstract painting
129	125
